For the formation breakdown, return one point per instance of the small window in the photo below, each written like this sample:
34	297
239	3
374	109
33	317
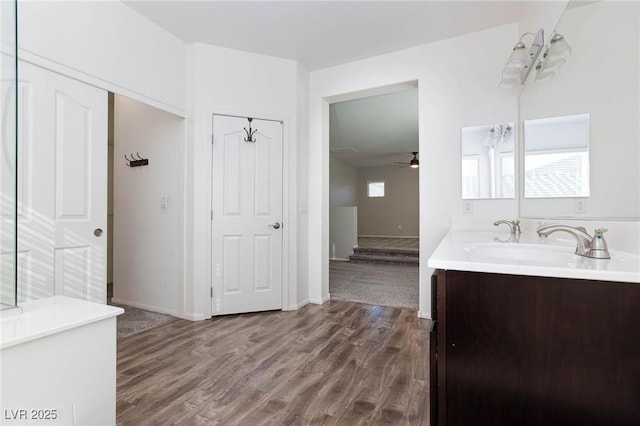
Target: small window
375	188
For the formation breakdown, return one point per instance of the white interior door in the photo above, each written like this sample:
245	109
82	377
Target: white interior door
62	186
247	216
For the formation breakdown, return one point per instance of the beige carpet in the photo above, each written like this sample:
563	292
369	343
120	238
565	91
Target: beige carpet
389	242
384	285
135	320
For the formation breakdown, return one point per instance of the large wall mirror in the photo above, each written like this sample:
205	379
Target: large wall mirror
488	164
8	149
599	82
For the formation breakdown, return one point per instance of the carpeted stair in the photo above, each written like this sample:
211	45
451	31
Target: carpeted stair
385	256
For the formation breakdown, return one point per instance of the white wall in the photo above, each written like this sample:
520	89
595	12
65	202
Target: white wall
232	82
108	45
458	87
397	213
540	15
343	232
343	184
148	239
343	216
302	175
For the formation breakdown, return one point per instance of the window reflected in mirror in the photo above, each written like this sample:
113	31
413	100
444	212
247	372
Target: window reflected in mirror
556	157
488	165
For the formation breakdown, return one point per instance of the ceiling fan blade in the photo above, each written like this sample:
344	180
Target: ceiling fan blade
397	162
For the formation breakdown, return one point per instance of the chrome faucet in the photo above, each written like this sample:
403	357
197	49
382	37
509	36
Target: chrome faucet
587	246
514	225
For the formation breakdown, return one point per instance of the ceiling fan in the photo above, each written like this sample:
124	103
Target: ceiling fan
414	163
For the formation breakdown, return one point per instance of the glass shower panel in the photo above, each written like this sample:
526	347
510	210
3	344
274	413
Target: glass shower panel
8	151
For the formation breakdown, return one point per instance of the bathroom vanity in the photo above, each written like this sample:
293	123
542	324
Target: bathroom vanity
528	338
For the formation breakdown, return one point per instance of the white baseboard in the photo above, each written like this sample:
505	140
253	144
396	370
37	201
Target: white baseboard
320	301
193	316
340	259
298	306
424	315
146	307
386	236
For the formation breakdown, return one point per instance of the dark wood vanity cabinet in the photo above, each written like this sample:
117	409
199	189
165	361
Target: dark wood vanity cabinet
524	350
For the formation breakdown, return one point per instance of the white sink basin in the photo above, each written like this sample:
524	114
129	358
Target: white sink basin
527	253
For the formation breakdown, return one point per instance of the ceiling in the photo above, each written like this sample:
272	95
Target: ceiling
375	131
321	34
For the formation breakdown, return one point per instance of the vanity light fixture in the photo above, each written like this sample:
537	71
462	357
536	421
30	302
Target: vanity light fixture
521	61
554	58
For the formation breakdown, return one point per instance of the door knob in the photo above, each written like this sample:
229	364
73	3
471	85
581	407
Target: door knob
275	225
97	232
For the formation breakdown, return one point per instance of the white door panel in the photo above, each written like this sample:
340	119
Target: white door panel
247	200
62	191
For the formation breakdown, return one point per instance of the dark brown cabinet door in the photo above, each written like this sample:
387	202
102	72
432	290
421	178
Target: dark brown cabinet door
433	355
539	351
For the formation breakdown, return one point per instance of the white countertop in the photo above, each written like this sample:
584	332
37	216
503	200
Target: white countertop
486	251
51	315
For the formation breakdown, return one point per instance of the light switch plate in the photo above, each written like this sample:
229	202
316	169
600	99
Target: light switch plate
580	205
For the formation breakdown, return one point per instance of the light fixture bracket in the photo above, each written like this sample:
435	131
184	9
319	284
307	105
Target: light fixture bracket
534	52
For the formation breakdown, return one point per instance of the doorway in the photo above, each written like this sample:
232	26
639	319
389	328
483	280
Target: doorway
146	206
246	214
374	199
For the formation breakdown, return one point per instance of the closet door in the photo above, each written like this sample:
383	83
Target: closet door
246	216
62	186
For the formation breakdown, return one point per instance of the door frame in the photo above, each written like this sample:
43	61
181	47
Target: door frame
288	221
319	179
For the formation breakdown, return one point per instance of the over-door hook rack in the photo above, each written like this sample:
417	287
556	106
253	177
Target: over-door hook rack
250	132
136	162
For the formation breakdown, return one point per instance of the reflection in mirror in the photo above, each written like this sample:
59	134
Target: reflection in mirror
488	161
7	155
556	157
600	78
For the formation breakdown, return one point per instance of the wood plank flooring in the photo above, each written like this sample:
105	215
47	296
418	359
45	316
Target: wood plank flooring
341	363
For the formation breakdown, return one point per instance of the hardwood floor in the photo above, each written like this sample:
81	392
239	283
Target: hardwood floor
341	363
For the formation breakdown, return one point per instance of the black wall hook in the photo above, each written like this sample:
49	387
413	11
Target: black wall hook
250	132
136	162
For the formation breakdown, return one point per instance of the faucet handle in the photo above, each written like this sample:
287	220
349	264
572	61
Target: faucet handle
514	225
598	248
